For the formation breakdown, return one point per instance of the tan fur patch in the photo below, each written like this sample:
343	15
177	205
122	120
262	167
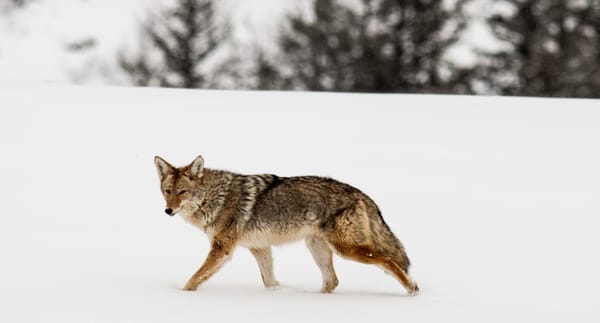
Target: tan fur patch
262	239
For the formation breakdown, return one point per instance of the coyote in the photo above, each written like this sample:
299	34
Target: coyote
258	211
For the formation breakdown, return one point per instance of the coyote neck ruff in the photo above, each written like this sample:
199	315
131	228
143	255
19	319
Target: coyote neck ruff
258	211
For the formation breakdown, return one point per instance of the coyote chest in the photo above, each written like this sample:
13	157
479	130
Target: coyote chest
194	218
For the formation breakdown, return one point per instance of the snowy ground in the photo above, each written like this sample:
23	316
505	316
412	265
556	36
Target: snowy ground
495	199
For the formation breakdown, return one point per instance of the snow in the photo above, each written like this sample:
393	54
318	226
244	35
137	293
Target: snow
495	199
35	40
478	36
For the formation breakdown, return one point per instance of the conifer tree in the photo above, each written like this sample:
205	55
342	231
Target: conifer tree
554	49
379	46
182	39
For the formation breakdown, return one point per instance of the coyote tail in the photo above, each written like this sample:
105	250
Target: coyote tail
384	240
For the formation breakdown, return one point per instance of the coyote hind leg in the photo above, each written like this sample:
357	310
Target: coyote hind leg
264	259
322	255
361	235
396	270
367	255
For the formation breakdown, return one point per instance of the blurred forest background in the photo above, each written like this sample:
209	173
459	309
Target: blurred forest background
545	48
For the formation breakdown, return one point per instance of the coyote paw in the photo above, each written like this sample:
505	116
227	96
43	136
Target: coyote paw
414	290
329	286
272	284
190	287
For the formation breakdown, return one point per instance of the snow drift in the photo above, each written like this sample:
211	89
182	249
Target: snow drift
495	199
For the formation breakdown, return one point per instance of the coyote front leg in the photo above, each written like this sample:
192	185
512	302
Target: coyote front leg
219	253
264	259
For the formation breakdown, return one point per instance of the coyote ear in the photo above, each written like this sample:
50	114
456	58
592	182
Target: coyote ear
197	167
162	167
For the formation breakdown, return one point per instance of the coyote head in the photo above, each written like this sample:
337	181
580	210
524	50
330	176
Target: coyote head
181	187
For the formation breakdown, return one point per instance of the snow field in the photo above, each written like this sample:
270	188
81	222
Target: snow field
494	198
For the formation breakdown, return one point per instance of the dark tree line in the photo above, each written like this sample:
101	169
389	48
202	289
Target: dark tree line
383	46
389	46
555	49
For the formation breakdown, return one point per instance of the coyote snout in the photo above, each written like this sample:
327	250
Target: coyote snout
258	211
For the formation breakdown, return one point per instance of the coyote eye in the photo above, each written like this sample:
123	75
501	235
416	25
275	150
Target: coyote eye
182	192
168	191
